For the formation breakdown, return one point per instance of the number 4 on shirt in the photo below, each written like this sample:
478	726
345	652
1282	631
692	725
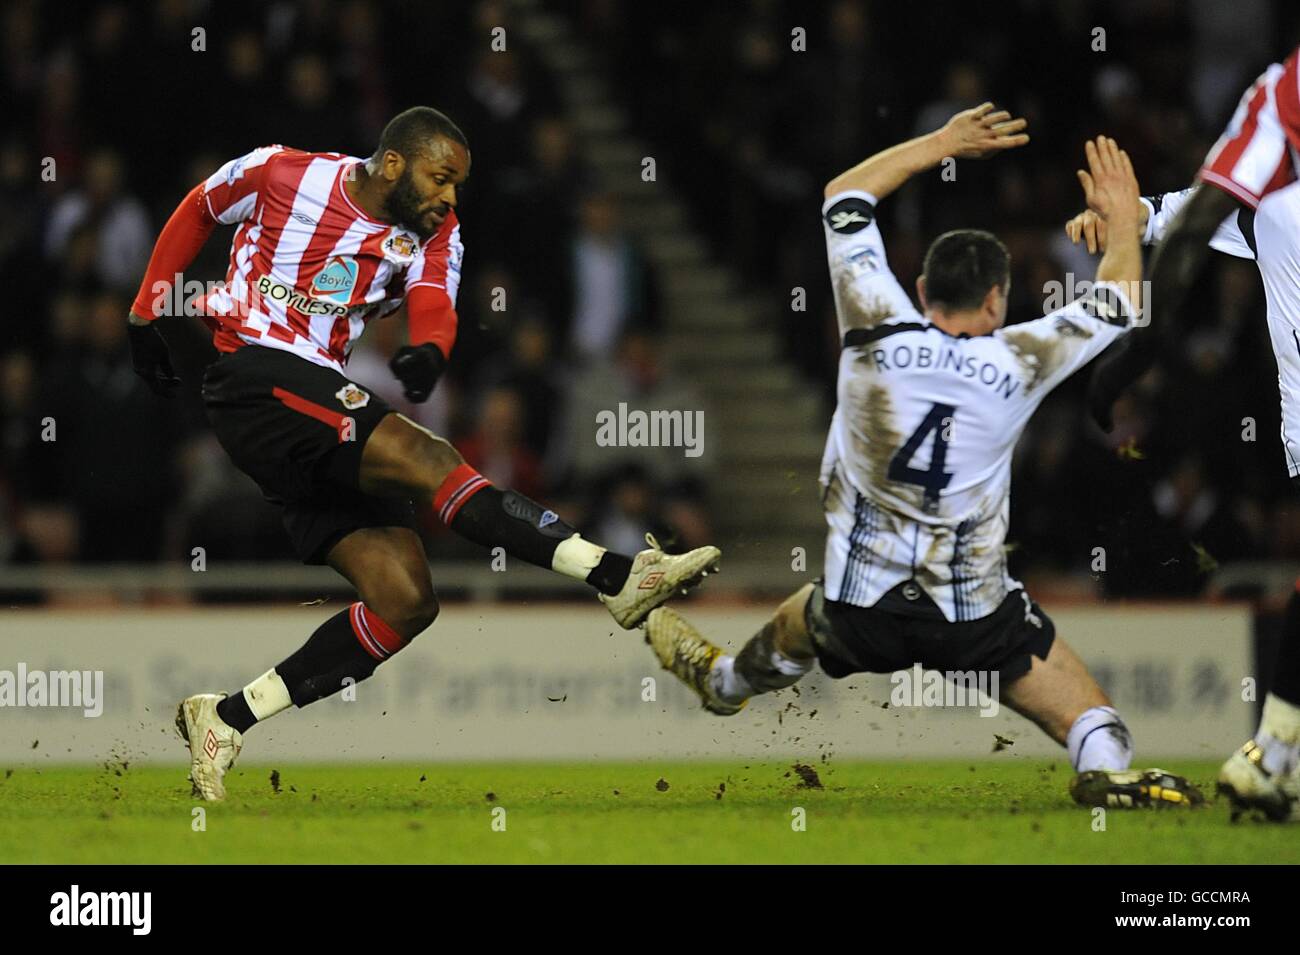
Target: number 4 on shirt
935	479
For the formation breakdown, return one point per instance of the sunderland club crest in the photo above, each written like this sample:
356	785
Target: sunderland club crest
400	247
352	397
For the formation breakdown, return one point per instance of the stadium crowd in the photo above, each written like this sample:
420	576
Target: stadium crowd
758	127
97	151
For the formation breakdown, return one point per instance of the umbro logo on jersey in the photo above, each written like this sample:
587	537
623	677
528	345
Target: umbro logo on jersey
849	215
304	219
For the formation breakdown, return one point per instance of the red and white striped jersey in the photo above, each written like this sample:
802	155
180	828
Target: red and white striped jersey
309	268
1259	152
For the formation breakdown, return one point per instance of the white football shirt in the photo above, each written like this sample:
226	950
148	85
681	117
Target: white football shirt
916	476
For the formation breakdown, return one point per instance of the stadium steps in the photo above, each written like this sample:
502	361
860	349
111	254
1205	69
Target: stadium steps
770	426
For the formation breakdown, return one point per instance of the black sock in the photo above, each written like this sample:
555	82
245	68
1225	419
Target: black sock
318	668
1286	672
611	573
490	517
494	518
234	711
314	671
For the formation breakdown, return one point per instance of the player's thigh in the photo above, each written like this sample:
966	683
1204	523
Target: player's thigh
1055	691
403	458
389	569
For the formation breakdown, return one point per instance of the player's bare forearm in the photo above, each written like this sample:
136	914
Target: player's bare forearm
1173	267
971	134
884	172
1122	261
1183	251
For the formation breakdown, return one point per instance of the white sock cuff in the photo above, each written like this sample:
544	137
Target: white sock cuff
727	683
576	557
1089	722
1280	720
267	695
788	666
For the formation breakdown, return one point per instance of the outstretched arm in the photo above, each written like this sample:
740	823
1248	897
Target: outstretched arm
1111	191
971	134
181	240
1233	237
1173	267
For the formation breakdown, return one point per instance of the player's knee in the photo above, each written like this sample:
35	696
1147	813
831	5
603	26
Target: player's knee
410	612
406	604
421	614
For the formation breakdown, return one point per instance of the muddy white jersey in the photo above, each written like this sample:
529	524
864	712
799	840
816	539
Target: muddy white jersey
916	476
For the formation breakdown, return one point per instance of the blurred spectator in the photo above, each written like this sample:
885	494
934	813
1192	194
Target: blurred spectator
101	213
528	371
115	441
612	287
496	448
636	381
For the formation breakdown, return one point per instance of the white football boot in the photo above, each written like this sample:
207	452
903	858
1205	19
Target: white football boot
213	743
1249	786
684	652
655	577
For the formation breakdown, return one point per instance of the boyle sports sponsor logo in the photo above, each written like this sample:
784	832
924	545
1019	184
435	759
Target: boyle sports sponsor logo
276	292
336	280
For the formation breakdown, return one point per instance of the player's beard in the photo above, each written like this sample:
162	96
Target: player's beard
403	206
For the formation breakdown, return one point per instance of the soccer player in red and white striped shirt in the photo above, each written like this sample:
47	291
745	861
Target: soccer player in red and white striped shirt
325	243
1253	175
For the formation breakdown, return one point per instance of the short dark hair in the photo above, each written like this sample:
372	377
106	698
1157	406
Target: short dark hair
411	130
961	266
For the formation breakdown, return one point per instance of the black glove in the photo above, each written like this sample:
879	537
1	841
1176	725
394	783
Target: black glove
418	368
151	361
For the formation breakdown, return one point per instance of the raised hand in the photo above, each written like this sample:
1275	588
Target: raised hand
983	131
1110	187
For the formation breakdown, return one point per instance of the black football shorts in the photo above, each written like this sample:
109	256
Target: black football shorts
298	430
905	628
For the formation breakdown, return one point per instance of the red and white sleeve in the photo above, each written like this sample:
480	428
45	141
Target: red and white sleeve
432	283
231	192
1255	154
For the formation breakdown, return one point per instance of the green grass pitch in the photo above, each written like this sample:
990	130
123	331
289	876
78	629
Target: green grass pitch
911	812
